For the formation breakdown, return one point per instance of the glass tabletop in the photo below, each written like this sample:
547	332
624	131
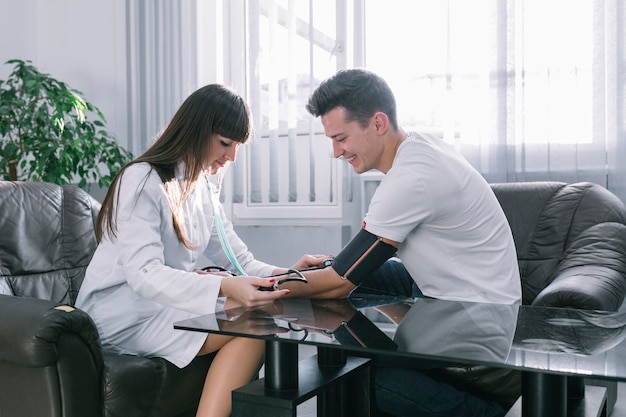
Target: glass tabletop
553	340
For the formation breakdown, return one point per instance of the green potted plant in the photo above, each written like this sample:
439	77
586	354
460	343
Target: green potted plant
48	132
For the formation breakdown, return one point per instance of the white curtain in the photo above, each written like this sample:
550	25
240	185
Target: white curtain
526	89
162	57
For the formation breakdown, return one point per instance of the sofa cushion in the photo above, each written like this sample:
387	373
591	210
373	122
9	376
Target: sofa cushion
135	386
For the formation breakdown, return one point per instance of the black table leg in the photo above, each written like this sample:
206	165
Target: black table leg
350	397
544	395
289	382
547	395
281	366
332	402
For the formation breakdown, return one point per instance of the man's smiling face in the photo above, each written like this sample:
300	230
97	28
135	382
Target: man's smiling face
361	147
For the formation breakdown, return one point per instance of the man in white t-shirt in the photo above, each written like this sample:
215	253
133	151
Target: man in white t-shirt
432	210
451	233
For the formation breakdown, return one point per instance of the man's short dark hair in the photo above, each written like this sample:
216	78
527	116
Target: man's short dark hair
361	92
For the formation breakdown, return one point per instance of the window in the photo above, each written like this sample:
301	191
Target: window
526	90
288	173
455	67
522	96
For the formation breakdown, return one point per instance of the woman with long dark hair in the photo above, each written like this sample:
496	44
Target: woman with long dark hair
157	221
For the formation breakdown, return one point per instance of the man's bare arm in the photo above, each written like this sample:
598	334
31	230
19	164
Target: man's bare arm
363	254
322	283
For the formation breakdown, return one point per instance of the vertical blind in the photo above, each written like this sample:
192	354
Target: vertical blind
288	167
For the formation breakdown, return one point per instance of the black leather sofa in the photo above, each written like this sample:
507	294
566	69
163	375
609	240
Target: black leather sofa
571	248
51	362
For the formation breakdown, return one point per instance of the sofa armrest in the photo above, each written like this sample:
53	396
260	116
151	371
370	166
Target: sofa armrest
30	329
50	359
589	287
592	273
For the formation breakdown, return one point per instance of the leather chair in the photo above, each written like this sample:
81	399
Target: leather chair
571	248
51	361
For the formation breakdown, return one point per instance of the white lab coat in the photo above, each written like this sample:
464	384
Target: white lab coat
142	281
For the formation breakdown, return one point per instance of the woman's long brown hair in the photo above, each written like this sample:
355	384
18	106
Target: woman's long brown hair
212	109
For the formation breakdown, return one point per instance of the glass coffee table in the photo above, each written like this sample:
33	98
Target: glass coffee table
554	348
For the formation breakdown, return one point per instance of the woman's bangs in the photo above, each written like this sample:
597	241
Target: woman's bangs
233	123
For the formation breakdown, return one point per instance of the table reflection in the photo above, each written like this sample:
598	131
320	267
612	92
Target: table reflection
333	321
448	330
458	330
445	329
577	332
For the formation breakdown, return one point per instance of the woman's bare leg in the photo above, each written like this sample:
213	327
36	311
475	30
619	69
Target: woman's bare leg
235	364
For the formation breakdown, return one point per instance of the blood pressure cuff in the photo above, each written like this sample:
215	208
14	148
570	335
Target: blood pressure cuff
362	256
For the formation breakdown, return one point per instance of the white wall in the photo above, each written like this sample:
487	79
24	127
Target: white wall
80	42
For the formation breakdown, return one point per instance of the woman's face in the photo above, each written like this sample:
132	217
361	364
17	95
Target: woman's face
221	151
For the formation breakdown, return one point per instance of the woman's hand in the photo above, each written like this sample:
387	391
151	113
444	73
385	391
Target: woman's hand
310	261
244	290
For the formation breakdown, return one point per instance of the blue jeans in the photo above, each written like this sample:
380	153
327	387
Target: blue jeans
391	278
404	392
400	387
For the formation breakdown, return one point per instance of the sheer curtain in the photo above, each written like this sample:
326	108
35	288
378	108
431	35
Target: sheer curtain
161	55
527	89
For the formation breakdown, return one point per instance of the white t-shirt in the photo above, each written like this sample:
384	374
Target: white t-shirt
456	242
